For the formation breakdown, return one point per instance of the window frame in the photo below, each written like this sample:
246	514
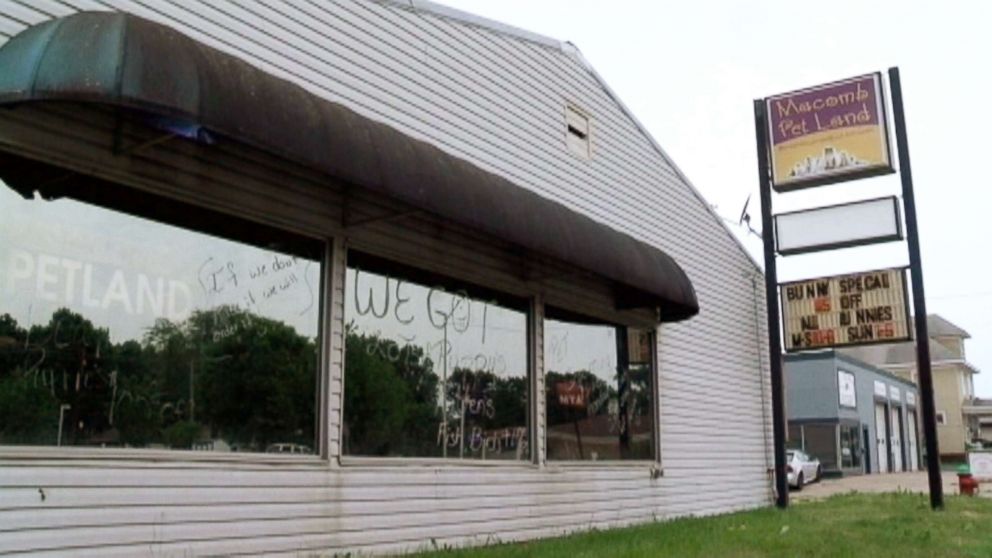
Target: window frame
329	412
123	198
655	462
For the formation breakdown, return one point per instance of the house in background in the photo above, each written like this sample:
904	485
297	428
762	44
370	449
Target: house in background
958	413
855	418
978	414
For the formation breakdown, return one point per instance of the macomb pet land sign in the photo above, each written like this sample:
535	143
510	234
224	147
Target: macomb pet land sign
846	310
828	133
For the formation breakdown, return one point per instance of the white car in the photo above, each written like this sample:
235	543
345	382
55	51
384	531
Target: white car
801	468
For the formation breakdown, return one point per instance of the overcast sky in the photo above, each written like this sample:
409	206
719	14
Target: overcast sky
690	70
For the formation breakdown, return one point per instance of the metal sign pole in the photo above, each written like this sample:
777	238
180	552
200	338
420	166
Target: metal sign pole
771	294
919	300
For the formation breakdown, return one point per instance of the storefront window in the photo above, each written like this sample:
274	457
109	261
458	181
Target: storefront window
795	437
433	368
850	446
598	389
821	442
120	331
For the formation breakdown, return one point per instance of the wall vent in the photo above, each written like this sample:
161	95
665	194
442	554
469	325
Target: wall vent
578	132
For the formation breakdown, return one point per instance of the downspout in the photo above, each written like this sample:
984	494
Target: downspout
761	377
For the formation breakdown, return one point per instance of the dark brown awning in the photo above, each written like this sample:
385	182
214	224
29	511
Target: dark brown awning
124	61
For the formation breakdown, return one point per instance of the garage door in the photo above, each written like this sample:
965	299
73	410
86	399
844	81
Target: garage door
881	439
911	435
895	426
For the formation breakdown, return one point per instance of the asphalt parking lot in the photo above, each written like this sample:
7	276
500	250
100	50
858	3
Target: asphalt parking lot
891	482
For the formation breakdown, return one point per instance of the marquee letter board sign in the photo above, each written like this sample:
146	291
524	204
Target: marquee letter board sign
846	310
828	133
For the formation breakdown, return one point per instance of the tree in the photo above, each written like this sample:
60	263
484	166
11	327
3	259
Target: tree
136	396
255	378
28	411
377	400
29	414
73	364
230	374
169	351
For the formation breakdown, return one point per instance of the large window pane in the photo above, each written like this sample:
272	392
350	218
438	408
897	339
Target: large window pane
598	389
432	368
121	331
821	442
850	446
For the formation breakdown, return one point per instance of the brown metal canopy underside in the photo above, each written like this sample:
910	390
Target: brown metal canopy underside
124	61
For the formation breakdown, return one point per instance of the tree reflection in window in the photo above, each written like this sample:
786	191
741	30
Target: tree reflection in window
432	371
120	331
598	388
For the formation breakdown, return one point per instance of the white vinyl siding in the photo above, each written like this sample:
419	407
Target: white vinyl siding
494	99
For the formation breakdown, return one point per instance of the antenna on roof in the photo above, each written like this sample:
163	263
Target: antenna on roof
745	219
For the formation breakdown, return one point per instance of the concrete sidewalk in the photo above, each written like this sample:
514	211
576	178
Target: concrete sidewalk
891	482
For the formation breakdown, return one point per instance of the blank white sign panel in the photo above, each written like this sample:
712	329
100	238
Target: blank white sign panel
838	226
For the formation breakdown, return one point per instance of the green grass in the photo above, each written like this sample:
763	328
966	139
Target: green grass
899	525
